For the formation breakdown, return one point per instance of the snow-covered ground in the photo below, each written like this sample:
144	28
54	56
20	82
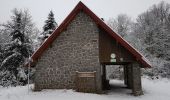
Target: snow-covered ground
153	90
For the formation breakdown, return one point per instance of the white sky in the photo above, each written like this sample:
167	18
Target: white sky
106	9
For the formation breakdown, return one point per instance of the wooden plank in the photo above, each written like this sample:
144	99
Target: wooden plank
86	74
86	82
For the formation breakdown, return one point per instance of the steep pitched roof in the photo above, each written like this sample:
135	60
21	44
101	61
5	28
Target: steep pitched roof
81	7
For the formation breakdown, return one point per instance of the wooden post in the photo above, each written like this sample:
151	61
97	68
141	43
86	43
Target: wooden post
95	81
103	77
125	74
129	76
29	65
76	82
104	72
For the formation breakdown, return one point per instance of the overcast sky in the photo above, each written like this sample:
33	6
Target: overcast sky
106	9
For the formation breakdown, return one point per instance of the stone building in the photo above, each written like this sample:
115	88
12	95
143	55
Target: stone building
75	56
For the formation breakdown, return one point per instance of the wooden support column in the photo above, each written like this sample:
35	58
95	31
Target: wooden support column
103	77
104	80
125	74
104	71
129	76
136	81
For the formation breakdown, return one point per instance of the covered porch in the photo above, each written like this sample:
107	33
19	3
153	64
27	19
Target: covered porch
131	77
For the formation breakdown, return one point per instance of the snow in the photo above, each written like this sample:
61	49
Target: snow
153	90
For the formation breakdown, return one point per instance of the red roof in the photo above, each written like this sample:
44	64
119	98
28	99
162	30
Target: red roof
81	7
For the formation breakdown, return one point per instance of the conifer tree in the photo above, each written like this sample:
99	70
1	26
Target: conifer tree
16	51
48	28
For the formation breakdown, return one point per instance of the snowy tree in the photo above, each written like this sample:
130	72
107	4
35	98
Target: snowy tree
28	27
121	25
1	54
20	47
153	30
4	37
124	26
48	28
8	79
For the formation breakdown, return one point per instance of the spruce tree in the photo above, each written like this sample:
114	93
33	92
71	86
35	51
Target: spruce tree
48	28
15	52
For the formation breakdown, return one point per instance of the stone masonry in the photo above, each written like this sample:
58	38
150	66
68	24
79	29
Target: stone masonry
133	78
136	79
75	49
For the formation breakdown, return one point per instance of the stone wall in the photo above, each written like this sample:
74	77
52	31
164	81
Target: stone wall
133	78
136	79
76	49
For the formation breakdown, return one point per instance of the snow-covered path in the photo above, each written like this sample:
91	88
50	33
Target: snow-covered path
153	90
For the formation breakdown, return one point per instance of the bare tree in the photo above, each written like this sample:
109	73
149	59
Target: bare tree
122	24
